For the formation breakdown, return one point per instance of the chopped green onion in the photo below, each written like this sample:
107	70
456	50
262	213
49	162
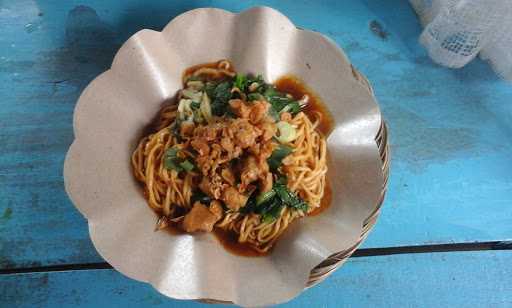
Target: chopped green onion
289	198
171	160
187	165
286	132
294	107
185	111
273	213
264	197
281	180
220	97
275	160
206	108
195	105
254	96
193	95
240	82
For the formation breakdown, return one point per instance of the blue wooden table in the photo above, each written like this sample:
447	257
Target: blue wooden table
442	238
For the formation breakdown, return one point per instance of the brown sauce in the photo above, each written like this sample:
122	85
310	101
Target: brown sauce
174	230
229	241
295	87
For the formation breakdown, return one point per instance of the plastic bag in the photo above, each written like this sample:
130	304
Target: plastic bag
456	31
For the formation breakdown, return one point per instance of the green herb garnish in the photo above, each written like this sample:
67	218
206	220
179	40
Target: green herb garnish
264	197
171	159
195	105
270	204
273	212
254	96
173	162
289	198
220	98
240	82
187	165
276	159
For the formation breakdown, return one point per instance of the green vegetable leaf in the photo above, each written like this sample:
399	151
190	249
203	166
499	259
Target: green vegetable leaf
281	180
273	213
293	107
270	204
195	105
221	96
270	210
254	96
302	205
171	160
240	82
222	91
187	165
277	99
275	160
209	88
274	114
283	193
289	198
259	80
264	197
280	102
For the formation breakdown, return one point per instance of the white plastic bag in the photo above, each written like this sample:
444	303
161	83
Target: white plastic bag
456	31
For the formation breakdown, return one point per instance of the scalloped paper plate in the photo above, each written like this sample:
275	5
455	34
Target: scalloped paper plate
146	72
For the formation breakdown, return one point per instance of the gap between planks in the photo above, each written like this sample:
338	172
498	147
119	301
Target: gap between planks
363	252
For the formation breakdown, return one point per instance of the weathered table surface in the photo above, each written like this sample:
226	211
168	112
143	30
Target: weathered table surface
451	179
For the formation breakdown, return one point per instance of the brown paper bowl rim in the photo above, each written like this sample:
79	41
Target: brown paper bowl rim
334	261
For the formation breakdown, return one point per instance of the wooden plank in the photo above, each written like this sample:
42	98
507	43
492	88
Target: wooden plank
470	279
450	129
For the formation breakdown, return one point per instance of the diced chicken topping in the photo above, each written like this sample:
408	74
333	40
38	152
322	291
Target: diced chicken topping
200	218
213	186
233	199
266	183
228	176
240	108
269	130
187	129
250	170
216	209
201	146
258	111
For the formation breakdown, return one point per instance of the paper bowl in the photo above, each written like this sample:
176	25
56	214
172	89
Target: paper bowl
146	72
